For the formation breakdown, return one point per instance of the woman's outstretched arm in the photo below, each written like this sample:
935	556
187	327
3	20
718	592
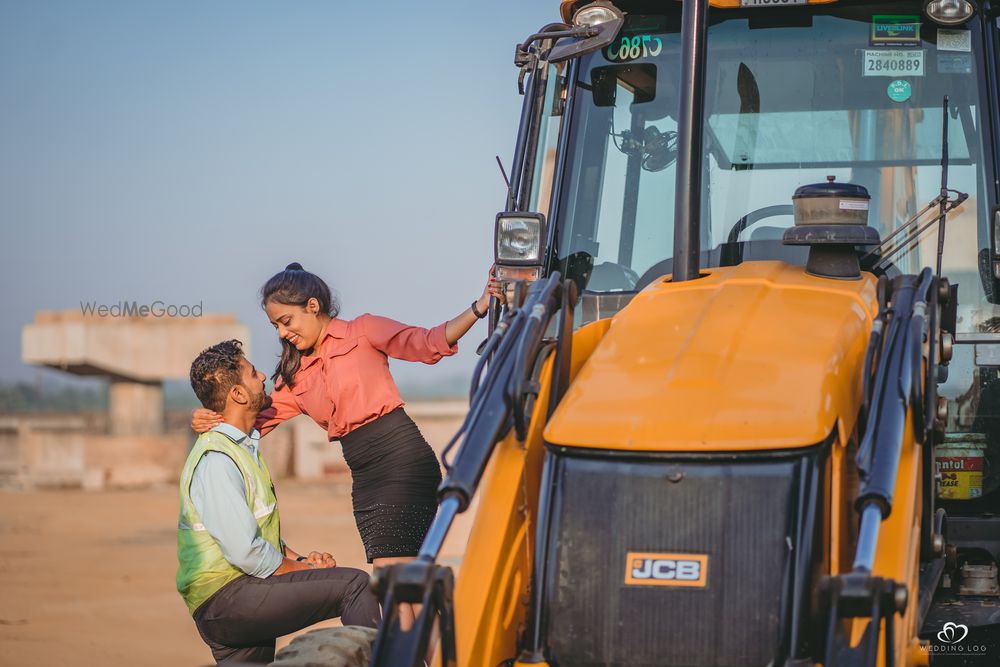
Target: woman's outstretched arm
413	343
460	325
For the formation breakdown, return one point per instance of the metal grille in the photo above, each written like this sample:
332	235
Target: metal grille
735	513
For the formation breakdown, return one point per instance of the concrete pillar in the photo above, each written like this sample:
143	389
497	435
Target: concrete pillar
135	408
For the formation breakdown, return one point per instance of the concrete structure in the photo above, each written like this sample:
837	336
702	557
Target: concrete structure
136	353
128	446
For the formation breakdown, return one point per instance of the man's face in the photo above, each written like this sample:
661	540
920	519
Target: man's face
253	381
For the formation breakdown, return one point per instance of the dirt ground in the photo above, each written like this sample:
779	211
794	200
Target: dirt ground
88	578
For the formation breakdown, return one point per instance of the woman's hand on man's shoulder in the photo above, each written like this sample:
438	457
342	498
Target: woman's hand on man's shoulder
203	419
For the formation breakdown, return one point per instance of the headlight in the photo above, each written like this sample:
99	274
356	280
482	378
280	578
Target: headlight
949	12
595	14
519	238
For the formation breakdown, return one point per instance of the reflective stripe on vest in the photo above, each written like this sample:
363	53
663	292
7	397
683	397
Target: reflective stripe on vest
202	569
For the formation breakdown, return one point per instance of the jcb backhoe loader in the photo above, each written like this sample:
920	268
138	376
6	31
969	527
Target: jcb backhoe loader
734	414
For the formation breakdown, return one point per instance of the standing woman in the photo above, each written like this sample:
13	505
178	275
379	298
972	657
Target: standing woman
337	372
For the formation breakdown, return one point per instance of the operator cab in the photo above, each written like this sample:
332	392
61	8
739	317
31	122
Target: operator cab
780	113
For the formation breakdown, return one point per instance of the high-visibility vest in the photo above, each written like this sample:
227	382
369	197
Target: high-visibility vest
202	569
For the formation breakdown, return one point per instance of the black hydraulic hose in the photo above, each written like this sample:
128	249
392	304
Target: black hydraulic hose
874	341
512	326
524	360
871	358
563	360
491	344
897	377
882	360
881	444
509	329
492	411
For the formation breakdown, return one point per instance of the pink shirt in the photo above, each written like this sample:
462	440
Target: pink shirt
345	383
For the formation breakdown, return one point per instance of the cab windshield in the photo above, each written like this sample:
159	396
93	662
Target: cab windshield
793	96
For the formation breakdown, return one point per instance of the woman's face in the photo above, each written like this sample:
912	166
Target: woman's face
301	326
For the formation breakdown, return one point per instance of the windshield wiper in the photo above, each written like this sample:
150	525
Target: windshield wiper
913	231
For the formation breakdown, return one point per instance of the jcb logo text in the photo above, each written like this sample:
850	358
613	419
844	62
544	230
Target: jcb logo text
654	569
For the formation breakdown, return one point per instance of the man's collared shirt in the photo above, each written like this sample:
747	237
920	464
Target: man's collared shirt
219	496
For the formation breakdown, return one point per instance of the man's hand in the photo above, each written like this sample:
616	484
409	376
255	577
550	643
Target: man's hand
315	559
322	560
289	565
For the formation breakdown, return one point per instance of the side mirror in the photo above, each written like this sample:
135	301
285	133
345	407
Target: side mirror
571	47
519	245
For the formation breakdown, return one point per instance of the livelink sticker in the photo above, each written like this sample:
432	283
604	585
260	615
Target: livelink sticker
900	90
895	30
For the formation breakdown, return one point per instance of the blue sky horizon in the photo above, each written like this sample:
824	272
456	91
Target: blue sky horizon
185	152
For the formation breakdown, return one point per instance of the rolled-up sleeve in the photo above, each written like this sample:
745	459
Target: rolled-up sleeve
219	497
283	407
402	341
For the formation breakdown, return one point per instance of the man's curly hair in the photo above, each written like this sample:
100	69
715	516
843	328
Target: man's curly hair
215	371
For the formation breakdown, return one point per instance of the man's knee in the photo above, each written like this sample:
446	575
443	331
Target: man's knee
359	582
360	605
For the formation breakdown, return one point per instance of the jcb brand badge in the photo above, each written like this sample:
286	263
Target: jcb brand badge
646	569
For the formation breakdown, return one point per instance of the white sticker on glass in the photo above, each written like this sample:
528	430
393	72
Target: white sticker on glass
894	63
954	40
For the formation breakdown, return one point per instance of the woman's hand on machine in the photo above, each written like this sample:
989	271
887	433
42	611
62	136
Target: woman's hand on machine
203	419
493	288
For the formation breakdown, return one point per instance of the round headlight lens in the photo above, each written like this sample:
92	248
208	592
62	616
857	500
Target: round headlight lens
520	240
595	14
949	12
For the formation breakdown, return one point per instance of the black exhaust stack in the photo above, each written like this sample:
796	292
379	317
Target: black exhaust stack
690	126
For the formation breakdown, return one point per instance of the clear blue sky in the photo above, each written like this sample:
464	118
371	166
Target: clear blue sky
185	151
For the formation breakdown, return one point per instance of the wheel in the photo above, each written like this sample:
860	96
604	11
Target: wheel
349	646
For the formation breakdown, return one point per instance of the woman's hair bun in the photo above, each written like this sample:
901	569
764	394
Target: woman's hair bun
294	266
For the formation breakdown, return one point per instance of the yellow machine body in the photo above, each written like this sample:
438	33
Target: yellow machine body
756	356
760	356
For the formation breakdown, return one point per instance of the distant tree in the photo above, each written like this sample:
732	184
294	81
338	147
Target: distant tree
26	397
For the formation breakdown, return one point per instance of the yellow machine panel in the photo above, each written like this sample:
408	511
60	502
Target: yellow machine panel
756	356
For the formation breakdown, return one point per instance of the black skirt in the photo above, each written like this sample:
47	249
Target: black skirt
396	475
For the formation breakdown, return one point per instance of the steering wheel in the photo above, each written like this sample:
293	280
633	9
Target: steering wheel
665	266
732	253
753	217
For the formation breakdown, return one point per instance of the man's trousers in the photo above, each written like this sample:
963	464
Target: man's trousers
243	618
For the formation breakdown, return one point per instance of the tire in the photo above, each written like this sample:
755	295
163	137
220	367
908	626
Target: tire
349	646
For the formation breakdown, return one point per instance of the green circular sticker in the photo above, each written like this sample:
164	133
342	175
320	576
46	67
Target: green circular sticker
900	90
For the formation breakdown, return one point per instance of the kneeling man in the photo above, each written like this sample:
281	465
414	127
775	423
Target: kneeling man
240	581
